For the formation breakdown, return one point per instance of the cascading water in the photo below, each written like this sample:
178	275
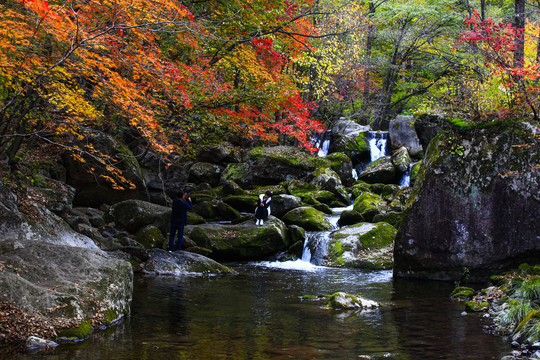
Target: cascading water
315	246
322	143
378	144
406	178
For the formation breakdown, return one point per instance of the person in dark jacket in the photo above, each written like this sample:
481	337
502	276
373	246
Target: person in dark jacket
263	207
179	219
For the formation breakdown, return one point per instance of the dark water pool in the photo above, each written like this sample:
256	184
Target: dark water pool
259	314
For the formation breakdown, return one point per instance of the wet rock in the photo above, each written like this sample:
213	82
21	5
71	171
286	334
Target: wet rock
344	301
36	343
150	237
245	203
342	165
350	217
162	262
401	159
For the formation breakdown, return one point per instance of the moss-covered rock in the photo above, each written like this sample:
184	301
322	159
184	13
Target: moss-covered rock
239	173
241	241
350	245
401	159
462	293
131	215
308	218
360	187
381	170
368	205
342	165
391	217
150	237
350	217
81	332
245	203
327	179
476	306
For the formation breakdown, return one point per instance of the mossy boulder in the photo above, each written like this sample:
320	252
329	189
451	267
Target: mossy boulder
162	262
391	217
244	203
150	237
360	187
347	246
308	218
401	159
239	173
368	205
241	241
381	170
342	165
131	215
327	179
476	306
351	139
350	217
271	165
462	293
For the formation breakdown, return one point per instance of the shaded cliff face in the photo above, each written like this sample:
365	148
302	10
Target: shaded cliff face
475	208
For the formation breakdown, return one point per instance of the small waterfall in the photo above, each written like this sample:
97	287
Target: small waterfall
316	243
322	142
354	174
406	178
378	144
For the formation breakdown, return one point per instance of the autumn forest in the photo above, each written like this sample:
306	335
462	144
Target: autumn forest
182	74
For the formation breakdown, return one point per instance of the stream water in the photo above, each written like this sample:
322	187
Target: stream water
260	314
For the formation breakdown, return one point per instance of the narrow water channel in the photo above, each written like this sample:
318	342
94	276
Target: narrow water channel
260	314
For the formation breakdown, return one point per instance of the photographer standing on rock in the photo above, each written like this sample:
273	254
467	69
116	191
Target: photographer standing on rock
179	219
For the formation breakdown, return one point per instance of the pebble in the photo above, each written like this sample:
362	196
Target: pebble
464	313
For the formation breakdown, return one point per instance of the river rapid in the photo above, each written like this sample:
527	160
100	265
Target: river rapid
260	314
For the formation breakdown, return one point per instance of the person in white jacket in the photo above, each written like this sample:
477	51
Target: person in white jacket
263	207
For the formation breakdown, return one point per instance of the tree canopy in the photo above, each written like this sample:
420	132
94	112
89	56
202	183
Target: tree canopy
182	74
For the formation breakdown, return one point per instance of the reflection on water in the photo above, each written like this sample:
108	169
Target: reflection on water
260	314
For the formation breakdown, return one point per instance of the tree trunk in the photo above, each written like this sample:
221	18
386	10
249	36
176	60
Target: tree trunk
519	23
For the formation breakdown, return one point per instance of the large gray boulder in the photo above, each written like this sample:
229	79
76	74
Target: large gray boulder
475	207
131	215
381	170
350	138
162	262
403	134
203	172
221	154
241	241
69	285
283	203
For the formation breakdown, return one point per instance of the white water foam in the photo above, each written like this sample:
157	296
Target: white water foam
290	265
